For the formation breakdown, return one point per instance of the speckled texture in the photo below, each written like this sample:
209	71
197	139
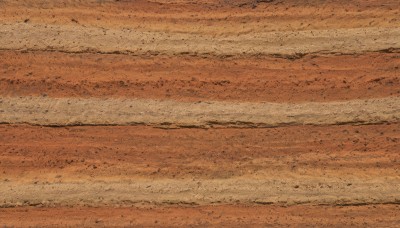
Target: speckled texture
199	113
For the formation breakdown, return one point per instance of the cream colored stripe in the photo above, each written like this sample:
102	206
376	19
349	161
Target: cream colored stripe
76	38
96	111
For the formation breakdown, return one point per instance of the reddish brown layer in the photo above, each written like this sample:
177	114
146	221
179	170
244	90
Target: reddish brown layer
126	152
230	216
312	78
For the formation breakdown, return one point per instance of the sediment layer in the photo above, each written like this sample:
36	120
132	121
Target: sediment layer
226	215
70	111
212	113
75	39
121	166
188	78
103	152
200	192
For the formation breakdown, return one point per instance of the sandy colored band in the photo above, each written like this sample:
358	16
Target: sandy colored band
234	190
78	111
70	38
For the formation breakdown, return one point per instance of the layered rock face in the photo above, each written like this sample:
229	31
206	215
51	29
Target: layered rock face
200	113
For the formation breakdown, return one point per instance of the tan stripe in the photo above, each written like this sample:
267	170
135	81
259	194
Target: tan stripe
76	111
234	190
75	38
